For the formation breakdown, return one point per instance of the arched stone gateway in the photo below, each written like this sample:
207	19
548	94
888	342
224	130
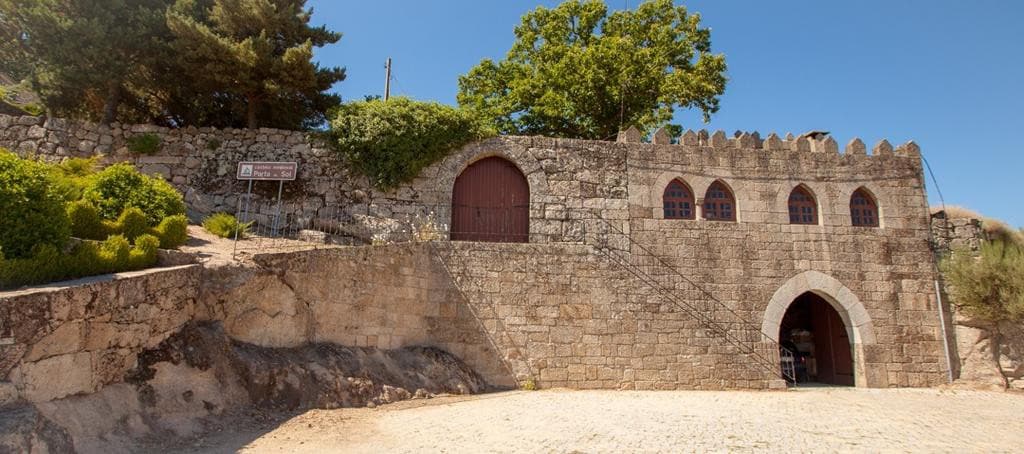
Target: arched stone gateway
851	312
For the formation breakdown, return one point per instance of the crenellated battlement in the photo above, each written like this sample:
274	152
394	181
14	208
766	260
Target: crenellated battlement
811	142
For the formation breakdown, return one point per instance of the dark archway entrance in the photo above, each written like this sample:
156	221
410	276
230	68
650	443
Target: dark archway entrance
816	334
491	202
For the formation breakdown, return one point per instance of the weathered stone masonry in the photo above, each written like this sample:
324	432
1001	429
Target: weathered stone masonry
79	336
560	310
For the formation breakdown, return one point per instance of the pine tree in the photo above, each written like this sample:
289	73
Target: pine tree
85	58
254	55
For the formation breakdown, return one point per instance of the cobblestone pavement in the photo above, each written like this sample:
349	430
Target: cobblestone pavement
814	419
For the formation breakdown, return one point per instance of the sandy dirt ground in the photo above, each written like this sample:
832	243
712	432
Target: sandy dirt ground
215	251
806	420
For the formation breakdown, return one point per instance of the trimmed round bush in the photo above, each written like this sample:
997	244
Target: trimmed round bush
132	223
115	250
172	231
31	210
85	221
121	186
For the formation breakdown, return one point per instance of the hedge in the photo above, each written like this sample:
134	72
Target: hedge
88	258
86	223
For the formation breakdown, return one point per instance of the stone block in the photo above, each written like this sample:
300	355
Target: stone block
66	338
54	377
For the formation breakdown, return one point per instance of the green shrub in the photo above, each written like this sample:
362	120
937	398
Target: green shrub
171	232
391	142
144	252
72	176
990	286
86	222
213	144
34	109
528	385
88	258
130	224
116	249
147	143
31	209
79	167
225	225
120	186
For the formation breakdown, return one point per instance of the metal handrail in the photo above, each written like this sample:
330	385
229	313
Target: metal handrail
702	316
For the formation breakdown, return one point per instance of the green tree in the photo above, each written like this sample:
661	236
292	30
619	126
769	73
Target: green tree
252	59
576	71
990	286
85	58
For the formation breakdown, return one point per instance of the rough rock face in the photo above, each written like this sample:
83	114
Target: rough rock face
329	376
978	364
990	354
24	429
313	375
198	379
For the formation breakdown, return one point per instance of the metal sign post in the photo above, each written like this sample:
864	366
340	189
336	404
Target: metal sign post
263	171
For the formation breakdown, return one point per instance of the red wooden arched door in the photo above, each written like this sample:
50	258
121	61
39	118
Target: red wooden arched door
491	202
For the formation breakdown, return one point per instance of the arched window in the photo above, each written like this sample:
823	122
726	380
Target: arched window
678	201
863	209
803	209
719	204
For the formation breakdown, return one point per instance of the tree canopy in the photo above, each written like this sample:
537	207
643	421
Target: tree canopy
175	62
84	58
255	57
577	71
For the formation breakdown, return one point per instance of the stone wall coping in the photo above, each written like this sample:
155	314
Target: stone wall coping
54	287
748	141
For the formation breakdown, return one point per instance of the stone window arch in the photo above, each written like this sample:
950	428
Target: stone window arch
719	203
803	206
678	200
863	208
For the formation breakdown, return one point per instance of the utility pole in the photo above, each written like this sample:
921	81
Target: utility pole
387	79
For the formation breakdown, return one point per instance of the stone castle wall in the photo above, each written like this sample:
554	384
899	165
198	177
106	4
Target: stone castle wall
589	198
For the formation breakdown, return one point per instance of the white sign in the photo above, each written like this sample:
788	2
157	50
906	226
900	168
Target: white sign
272	171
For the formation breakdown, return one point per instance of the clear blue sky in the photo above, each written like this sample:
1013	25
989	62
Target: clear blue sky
946	74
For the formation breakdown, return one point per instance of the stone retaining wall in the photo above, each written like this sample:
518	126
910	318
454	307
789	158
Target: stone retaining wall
78	336
373	296
560	315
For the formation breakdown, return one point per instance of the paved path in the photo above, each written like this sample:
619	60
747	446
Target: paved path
819	420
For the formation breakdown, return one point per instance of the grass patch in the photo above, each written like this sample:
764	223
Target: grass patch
225	225
144	143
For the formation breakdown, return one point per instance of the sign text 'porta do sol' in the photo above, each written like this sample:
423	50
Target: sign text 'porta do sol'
273	171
